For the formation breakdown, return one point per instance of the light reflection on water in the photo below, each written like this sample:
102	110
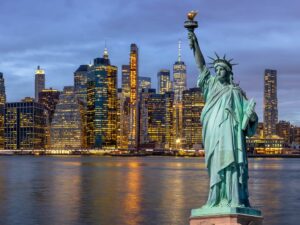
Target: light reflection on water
132	191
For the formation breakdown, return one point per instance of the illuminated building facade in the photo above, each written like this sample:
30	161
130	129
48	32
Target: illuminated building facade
178	123
270	145
2	110
152	119
144	116
193	104
123	140
283	129
134	114
80	82
270	102
295	135
39	82
157	114
67	131
49	98
169	121
164	81
179	77
126	80
144	83
102	104
25	125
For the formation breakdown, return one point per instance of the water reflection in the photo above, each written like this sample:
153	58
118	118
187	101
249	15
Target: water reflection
132	191
132	199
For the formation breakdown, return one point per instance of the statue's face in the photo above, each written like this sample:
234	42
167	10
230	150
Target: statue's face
222	74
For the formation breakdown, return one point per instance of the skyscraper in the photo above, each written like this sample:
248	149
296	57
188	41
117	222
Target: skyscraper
49	98
126	80
25	125
2	110
80	82
144	83
39	82
67	131
193	104
179	77
283	129
270	102
169	121
152	118
102	104
164	81
144	116
134	74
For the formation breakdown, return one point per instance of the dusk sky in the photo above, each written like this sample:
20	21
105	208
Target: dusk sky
59	35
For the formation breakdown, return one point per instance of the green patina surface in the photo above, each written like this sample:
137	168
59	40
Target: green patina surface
214	211
227	118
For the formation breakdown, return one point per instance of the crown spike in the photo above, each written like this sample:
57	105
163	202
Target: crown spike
224	57
217	55
211	58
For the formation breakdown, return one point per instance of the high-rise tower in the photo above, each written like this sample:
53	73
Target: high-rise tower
2	110
179	77
164	81
39	82
80	81
126	80
270	102
134	71
102	104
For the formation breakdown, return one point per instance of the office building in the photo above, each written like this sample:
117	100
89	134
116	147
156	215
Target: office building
193	104
126	80
2	110
102	104
67	130
39	82
283	130
25	125
80	82
134	114
144	83
179	77
270	102
164	81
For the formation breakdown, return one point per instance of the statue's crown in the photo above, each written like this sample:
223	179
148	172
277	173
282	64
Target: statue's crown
222	62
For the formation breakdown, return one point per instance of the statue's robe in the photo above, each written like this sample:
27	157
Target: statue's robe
224	141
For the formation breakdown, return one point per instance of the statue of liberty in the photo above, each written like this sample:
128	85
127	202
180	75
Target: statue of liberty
227	118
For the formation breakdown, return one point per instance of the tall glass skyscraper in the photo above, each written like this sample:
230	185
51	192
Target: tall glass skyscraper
67	130
193	104
179	77
80	82
144	83
270	102
126	80
164	81
2	110
102	104
134	74
39	82
25	124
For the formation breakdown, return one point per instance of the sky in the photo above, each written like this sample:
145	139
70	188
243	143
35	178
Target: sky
60	35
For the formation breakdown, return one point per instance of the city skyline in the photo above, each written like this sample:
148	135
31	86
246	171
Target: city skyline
59	42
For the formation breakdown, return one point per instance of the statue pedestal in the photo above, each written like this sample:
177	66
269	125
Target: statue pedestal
226	216
233	219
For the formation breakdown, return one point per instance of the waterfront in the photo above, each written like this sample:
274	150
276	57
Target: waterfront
137	190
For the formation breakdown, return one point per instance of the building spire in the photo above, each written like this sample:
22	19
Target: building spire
179	50
105	54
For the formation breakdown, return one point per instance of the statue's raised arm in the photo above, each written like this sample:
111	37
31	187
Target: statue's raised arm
196	50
